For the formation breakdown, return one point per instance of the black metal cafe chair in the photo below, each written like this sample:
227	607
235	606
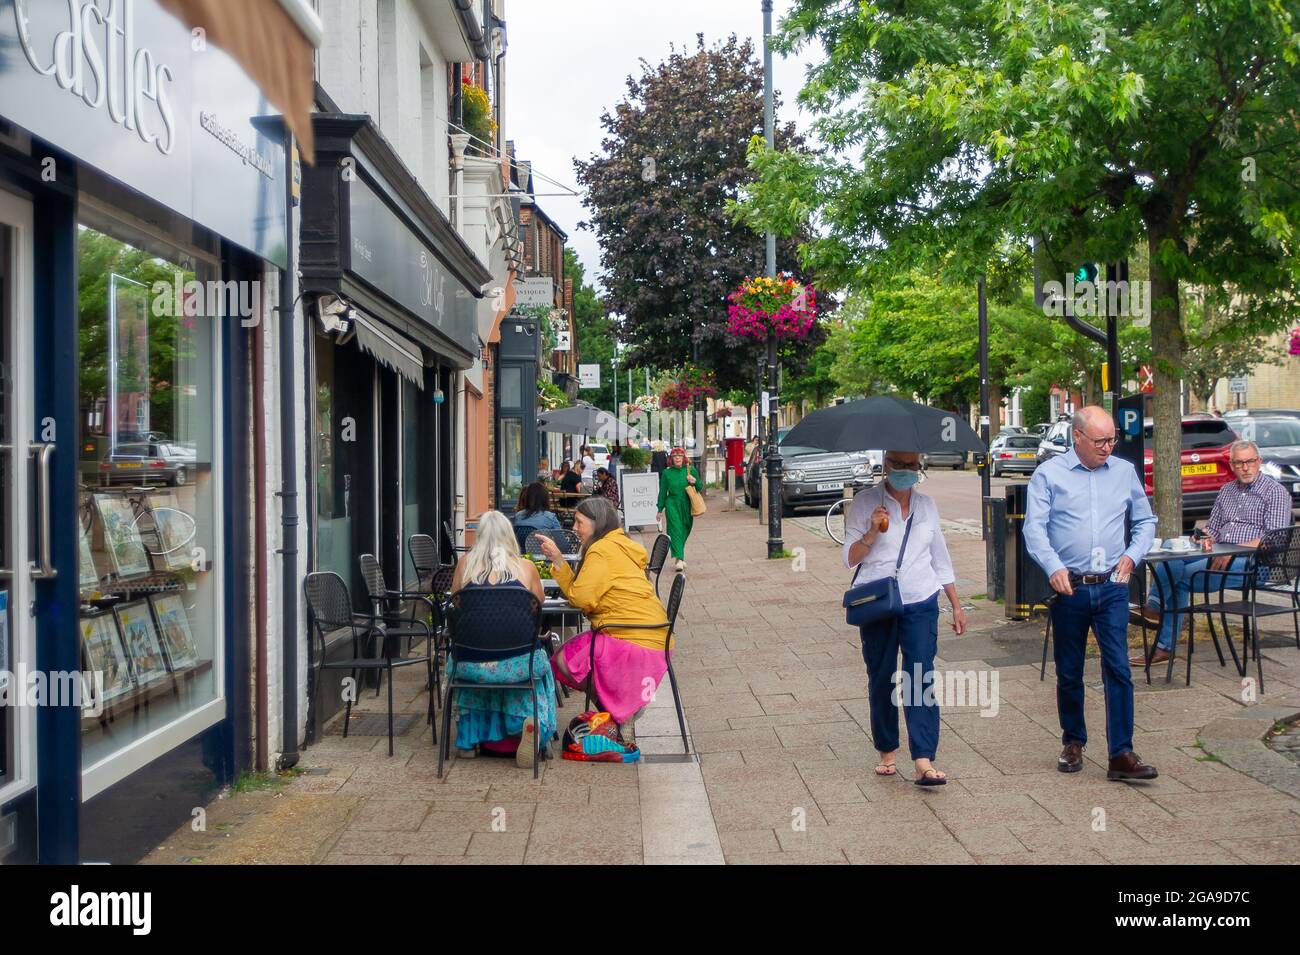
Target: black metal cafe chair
658	557
431	577
386	606
330	608
567	541
492	623
674	604
451	539
1274	568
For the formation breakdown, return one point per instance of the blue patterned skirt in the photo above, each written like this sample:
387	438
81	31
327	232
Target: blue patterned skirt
486	715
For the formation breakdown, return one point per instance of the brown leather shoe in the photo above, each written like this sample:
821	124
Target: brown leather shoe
1071	758
1127	766
1158	656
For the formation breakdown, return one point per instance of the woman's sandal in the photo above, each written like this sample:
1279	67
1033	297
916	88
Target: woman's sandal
890	769
931	777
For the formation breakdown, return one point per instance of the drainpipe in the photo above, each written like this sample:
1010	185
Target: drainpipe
259	548
288	492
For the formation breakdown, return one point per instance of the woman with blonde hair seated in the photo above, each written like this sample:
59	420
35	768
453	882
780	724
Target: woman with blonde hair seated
610	587
500	721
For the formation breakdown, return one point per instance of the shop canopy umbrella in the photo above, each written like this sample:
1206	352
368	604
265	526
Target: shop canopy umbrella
884	423
587	420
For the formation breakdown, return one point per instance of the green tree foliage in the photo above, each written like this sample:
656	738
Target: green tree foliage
673	157
1113	124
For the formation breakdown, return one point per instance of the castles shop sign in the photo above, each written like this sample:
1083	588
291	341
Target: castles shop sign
125	87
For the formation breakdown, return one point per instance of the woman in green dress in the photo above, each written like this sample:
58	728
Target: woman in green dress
675	503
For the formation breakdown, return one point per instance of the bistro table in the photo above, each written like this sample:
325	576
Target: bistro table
1157	560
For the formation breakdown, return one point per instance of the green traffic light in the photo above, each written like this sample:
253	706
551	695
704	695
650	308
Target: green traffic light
1086	272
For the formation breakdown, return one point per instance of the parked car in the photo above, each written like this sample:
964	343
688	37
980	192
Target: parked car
1205	462
1279	447
1041	429
1058	439
944	459
810	476
600	453
1013	453
137	463
1236	413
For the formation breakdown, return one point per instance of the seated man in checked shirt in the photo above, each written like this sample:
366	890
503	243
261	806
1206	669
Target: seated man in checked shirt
1243	511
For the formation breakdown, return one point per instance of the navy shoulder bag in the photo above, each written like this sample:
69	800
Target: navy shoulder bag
878	599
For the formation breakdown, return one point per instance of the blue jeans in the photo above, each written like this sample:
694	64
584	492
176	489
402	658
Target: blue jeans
1104	608
1176	575
916	632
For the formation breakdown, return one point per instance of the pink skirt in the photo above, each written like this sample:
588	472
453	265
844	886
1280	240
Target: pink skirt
627	674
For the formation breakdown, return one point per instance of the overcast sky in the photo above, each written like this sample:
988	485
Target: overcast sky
567	62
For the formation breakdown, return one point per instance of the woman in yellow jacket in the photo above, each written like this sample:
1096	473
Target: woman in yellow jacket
610	587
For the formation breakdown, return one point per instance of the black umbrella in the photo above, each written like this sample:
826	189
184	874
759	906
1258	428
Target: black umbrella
884	423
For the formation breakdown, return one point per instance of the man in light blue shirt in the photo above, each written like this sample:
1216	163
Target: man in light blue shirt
1074	530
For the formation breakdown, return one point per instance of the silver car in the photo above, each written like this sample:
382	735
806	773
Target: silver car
1013	454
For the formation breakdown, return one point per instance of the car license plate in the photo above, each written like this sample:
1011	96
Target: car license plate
1025	454
1198	469
128	464
831	486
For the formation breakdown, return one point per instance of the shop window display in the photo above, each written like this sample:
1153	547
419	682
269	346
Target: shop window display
149	548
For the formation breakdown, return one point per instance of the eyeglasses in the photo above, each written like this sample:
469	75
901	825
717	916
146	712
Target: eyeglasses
1247	462
1101	444
899	466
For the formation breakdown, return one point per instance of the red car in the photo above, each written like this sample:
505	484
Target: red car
1205	462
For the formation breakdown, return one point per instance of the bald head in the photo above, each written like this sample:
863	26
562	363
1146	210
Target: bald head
1093	424
1089	416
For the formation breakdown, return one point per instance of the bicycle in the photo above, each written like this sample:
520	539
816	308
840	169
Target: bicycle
162	525
835	515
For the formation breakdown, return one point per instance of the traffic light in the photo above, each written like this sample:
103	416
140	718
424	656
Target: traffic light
1087	272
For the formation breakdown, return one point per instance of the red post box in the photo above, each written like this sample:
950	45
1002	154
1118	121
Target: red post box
735	454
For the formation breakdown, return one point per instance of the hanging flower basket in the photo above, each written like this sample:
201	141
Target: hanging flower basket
685	386
779	306
1294	347
643	404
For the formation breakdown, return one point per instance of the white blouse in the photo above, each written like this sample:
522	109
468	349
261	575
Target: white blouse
926	564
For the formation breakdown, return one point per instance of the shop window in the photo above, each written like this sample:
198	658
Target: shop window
512	387
510	458
150	547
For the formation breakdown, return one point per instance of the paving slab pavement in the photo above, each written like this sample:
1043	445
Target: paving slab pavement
774	691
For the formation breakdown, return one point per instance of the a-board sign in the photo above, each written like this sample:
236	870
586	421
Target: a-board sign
639	493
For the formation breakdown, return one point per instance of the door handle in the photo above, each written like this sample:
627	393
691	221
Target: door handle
43	567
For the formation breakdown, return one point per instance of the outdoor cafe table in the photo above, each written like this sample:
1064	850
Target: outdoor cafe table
1157	560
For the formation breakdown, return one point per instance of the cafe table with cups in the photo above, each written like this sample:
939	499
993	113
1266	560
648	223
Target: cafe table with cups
1163	553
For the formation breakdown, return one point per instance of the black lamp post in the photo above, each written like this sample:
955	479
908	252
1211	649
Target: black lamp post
775	545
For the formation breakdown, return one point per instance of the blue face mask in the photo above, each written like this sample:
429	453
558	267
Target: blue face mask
902	480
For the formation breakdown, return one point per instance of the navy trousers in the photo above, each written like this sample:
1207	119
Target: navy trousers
1104	608
916	633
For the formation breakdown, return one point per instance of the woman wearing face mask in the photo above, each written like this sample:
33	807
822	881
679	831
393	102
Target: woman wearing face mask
873	536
